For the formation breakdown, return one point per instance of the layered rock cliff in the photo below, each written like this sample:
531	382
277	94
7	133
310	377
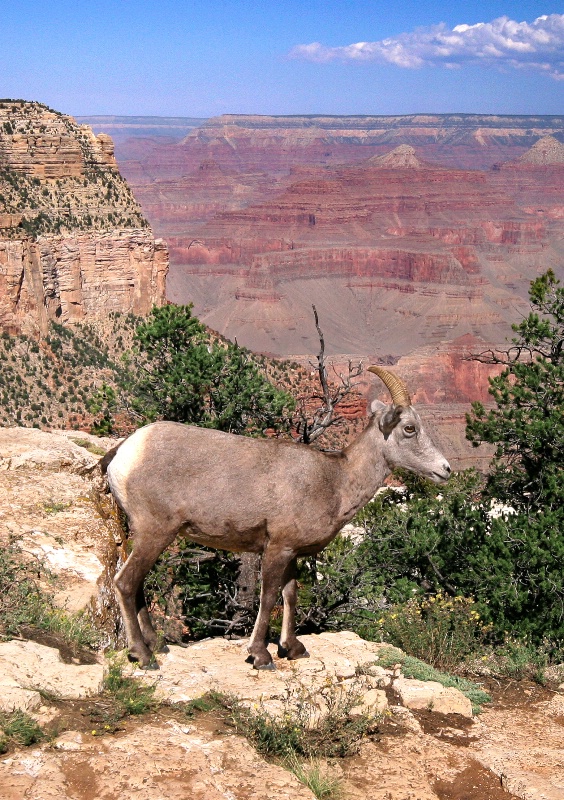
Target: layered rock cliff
395	252
74	243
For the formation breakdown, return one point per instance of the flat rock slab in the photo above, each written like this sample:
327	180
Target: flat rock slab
220	665
28	668
151	762
432	696
525	747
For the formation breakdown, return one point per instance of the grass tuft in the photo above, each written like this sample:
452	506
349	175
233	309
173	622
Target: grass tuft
132	696
316	777
18	729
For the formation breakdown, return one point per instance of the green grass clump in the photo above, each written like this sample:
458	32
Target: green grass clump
210	701
132	697
415	668
18	729
22	602
316	777
90	446
75	629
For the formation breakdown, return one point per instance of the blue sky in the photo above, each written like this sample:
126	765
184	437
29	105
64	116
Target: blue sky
207	57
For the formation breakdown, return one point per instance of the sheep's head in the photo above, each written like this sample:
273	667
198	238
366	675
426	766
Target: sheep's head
406	443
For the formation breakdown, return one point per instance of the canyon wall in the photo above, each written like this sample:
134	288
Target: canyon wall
80	277
246	143
74	243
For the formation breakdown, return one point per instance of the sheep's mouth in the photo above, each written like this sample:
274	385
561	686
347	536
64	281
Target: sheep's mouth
440	477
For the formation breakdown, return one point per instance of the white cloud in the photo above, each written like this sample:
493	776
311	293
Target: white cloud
537	45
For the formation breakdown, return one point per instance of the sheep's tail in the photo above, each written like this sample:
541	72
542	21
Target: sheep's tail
104	462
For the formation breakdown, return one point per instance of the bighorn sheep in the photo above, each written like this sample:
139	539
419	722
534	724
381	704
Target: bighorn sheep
266	496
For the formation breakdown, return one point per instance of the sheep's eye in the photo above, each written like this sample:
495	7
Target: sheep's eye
409	429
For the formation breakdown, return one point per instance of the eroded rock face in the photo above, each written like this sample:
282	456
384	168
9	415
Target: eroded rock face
79	277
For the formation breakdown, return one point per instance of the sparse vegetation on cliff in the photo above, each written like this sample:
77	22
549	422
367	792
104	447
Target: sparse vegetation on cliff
56	177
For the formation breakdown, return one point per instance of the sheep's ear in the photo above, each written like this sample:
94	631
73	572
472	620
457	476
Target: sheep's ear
390	419
377	406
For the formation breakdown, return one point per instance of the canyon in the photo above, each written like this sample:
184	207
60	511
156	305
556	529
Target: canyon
415	237
379	221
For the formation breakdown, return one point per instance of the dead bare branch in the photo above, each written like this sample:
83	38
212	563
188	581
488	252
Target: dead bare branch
311	425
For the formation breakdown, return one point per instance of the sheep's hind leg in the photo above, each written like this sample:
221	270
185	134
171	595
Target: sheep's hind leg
290	646
274	565
150	636
128	583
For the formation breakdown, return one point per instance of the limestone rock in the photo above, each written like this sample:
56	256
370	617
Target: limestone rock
186	673
547	150
402	157
433	696
148	762
374	701
34	668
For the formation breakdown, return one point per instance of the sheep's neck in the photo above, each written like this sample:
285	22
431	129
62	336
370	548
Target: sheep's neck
365	469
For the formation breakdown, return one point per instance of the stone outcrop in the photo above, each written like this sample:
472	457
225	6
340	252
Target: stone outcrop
47	504
74	244
37	141
401	157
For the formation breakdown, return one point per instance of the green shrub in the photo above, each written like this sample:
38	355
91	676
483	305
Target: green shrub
444	631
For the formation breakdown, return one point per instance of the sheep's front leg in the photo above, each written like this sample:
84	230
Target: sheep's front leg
274	565
290	646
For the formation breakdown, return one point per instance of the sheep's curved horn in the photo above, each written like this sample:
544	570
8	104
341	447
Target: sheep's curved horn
396	387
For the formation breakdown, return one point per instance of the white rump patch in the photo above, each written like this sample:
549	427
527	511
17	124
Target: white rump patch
127	458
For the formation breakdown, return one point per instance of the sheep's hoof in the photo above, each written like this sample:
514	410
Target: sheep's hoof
271	667
305	654
143	661
152	665
293	651
256	661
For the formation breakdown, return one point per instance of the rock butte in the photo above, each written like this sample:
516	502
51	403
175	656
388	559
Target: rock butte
74	244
